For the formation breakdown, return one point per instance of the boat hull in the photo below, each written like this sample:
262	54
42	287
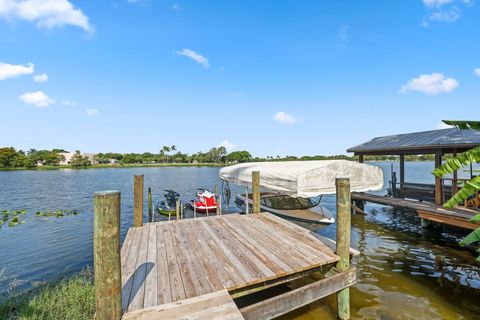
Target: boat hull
307	218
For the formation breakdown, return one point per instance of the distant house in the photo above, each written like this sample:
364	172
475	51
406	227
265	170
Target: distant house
67	156
112	162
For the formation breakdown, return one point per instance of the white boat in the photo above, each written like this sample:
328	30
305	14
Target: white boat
292	186
306	212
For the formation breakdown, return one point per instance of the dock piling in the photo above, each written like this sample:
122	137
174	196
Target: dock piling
150	205
177	209
138	201
343	242
217	200
106	252
255	192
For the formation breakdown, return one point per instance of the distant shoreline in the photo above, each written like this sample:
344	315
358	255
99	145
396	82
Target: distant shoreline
104	166
151	165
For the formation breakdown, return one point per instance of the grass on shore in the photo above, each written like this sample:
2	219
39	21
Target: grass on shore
69	298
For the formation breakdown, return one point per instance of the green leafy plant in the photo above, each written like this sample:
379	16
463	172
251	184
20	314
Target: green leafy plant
471	187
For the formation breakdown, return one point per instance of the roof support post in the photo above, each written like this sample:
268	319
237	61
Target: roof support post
438	180
360	158
455	176
402	170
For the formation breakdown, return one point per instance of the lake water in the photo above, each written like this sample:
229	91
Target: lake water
397	275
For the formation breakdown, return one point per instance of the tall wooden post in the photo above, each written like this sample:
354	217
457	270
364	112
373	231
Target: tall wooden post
150	205
438	180
138	201
106	254
177	209
217	199
343	242
402	170
360	158
255	192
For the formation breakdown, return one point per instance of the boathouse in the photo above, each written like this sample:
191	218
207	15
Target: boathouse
436	142
425	199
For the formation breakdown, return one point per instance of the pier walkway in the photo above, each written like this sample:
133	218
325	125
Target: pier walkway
180	267
458	217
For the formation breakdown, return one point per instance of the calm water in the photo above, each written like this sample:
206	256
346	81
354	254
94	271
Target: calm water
397	275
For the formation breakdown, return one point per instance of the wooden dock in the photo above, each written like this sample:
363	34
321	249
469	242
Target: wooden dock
168	262
458	217
196	268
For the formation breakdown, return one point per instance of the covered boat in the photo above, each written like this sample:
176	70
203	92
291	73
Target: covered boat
294	188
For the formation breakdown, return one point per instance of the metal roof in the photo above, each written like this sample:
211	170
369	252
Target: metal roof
421	141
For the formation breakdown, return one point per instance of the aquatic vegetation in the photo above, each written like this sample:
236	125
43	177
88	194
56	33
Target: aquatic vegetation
13	218
56	213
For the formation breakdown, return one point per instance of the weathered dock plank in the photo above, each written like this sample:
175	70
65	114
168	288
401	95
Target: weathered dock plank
175	260
216	305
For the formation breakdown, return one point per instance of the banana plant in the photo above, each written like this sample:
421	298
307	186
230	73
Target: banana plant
470	187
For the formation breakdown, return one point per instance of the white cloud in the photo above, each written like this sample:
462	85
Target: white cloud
227	144
47	14
476	72
43	77
194	56
448	16
430	84
342	33
139	2
234	93
67	102
284	117
14	70
444	11
92	112
37	98
436	3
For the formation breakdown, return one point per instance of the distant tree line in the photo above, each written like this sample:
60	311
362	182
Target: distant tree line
12	158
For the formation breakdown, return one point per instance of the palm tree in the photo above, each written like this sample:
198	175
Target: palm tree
470	187
166	150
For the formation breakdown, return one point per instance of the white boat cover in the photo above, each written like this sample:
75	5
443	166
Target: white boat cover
305	178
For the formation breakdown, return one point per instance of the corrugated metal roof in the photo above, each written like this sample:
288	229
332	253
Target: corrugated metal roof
434	139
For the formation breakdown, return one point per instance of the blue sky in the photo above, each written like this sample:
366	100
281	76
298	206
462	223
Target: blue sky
273	77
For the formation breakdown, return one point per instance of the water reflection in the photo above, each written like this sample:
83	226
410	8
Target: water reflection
405	272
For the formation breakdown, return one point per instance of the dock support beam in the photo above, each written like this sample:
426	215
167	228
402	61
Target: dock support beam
343	242
138	201
150	205
106	253
438	180
255	192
